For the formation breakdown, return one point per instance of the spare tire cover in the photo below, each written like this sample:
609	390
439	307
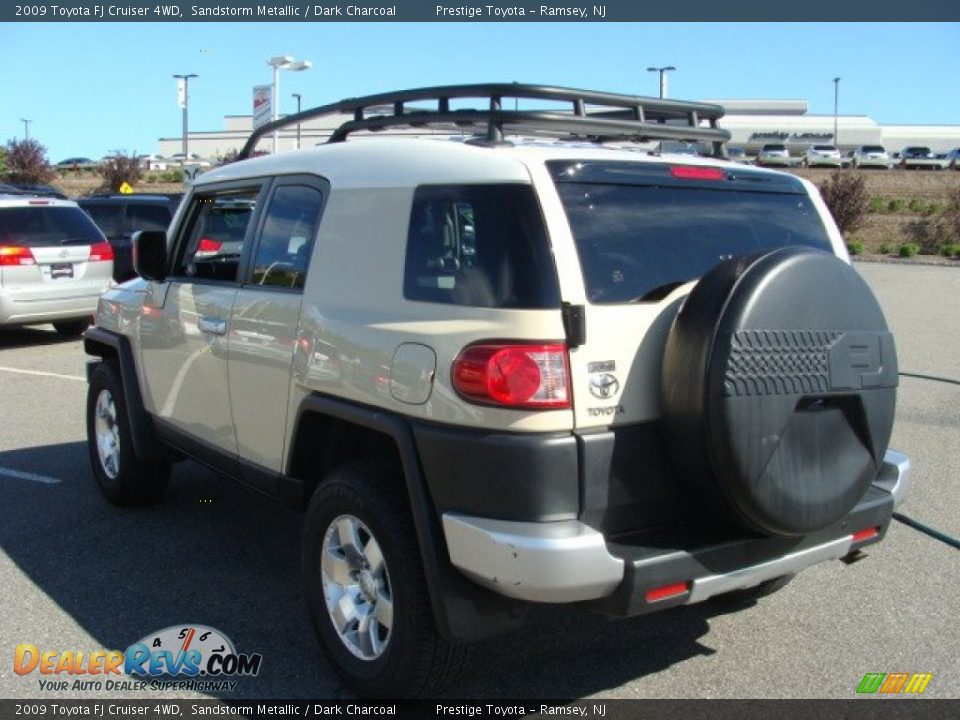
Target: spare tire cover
778	390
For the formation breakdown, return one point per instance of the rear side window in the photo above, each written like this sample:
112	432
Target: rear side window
479	246
640	232
287	237
108	217
39	226
142	216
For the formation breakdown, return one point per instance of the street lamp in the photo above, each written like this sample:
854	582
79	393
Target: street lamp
663	77
184	100
297	96
26	128
282	62
836	98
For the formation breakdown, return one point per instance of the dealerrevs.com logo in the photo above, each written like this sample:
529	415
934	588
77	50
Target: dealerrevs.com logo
180	657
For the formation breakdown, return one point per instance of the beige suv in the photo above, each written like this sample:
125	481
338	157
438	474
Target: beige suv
528	360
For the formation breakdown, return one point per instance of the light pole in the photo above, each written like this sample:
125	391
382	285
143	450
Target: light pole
836	103
282	62
297	96
663	77
184	99
26	128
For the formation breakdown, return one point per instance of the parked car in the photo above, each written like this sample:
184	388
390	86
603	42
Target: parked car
822	156
871	156
192	159
76	163
153	162
953	159
497	374
775	155
921	157
737	154
119	216
54	263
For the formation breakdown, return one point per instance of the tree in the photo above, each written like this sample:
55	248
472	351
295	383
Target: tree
120	168
845	194
26	162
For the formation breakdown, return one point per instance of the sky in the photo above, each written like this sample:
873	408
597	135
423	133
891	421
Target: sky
93	88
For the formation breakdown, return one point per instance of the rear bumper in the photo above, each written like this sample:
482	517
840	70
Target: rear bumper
81	303
568	561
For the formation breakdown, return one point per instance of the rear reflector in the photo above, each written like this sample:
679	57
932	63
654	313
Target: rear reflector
866	534
16	255
101	252
692	172
516	376
667	591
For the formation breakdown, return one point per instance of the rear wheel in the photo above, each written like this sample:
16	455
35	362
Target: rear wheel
366	589
122	477
71	328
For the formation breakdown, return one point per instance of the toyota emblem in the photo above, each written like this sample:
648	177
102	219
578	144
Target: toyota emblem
604	386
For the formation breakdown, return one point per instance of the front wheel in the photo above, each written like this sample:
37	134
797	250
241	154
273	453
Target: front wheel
365	586
123	478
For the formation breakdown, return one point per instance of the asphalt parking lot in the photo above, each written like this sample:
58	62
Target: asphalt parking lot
79	574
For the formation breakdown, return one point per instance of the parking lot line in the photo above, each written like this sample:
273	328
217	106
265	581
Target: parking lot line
20	475
41	373
927	530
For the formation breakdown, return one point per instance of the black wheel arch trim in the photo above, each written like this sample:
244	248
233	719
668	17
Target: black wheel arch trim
462	609
145	443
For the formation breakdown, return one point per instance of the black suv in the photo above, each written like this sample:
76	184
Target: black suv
119	216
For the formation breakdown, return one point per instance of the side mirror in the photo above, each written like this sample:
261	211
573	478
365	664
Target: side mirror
150	254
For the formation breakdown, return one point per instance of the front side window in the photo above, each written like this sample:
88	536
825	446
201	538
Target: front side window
479	246
287	238
216	235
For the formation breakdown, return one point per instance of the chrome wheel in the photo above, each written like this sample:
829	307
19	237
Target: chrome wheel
356	587
107	434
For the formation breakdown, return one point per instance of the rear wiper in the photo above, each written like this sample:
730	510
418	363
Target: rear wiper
660	291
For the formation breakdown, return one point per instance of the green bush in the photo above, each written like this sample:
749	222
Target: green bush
896	204
908	250
845	194
885	248
877	205
917	205
952	250
933	208
855	247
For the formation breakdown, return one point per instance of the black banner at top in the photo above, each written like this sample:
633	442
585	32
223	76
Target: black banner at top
179	11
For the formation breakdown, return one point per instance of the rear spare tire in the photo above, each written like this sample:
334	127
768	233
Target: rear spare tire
778	390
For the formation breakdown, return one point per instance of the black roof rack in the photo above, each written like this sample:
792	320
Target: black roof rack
596	116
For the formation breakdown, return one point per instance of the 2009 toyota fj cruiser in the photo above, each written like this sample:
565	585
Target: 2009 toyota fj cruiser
503	370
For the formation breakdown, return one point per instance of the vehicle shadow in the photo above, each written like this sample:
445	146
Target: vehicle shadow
34	336
216	554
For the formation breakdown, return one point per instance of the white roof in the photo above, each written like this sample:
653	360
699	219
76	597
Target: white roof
408	162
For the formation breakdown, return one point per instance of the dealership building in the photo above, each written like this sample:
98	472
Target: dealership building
751	123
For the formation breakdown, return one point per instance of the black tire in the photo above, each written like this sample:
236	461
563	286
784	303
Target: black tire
71	328
414	660
125	480
778	390
739	597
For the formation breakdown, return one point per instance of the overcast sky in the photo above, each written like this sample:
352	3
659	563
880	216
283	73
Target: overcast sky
91	88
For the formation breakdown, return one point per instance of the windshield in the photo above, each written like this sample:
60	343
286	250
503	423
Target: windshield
44	225
639	234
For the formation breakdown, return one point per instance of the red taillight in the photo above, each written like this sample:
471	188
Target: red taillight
693	172
667	591
517	376
865	534
101	252
208	246
16	255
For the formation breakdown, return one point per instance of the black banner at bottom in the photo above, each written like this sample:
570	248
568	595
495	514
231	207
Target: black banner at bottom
867	708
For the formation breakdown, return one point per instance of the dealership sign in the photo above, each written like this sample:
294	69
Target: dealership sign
262	109
790	137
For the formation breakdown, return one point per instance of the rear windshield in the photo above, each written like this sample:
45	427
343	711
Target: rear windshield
774	148
38	226
824	147
873	148
640	232
479	246
108	217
